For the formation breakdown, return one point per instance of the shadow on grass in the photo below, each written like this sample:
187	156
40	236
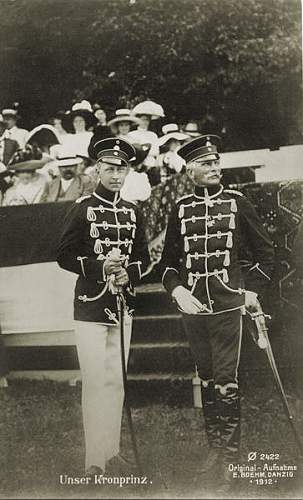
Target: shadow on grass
41	433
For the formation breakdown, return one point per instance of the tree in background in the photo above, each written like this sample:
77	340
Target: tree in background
233	65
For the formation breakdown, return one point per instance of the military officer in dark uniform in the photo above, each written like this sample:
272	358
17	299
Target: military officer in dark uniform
202	271
103	242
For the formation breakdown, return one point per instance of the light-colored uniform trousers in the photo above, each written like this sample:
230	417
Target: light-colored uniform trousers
99	356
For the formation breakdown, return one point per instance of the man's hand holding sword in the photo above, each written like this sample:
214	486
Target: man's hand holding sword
114	270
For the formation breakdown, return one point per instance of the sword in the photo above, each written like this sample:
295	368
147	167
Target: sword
118	292
121	308
260	337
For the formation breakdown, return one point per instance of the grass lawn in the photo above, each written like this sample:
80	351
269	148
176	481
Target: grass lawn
42	437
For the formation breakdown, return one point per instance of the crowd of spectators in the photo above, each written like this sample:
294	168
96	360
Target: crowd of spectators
52	162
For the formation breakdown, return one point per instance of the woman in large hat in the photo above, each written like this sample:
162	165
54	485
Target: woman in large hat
80	120
169	162
30	185
122	123
147	111
46	138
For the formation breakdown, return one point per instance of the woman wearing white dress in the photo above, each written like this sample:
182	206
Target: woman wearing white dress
79	120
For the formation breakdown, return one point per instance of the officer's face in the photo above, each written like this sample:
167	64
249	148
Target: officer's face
112	177
68	172
205	171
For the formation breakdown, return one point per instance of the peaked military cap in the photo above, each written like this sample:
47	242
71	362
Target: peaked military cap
204	145
113	150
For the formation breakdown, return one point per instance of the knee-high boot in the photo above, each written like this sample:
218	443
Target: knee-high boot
210	411
212	426
228	403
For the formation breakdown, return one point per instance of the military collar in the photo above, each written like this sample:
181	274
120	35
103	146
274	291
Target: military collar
104	194
203	192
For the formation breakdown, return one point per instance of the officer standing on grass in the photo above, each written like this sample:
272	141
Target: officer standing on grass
202	271
103	241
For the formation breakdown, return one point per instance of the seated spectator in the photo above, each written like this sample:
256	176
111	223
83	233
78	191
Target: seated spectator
122	123
69	185
47	138
147	111
30	184
15	133
100	115
57	122
8	147
169	162
6	180
79	120
137	186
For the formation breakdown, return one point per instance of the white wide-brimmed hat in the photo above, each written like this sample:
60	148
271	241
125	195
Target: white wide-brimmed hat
171	131
150	108
124	115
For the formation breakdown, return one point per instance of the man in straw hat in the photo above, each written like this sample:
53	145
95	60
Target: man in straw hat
206	236
69	185
103	242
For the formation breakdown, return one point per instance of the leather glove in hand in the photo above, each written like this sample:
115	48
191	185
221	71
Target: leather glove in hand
251	301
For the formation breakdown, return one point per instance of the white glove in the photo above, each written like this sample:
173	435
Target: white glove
186	301
251	301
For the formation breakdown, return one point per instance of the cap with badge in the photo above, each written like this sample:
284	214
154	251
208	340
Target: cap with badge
113	150
203	146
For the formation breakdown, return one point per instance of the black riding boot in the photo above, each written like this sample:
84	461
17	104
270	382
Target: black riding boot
228	402
212	426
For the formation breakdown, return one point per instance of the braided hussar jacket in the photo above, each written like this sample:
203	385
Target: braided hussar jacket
93	227
206	236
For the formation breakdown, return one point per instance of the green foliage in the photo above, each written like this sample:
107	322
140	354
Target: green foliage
234	65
